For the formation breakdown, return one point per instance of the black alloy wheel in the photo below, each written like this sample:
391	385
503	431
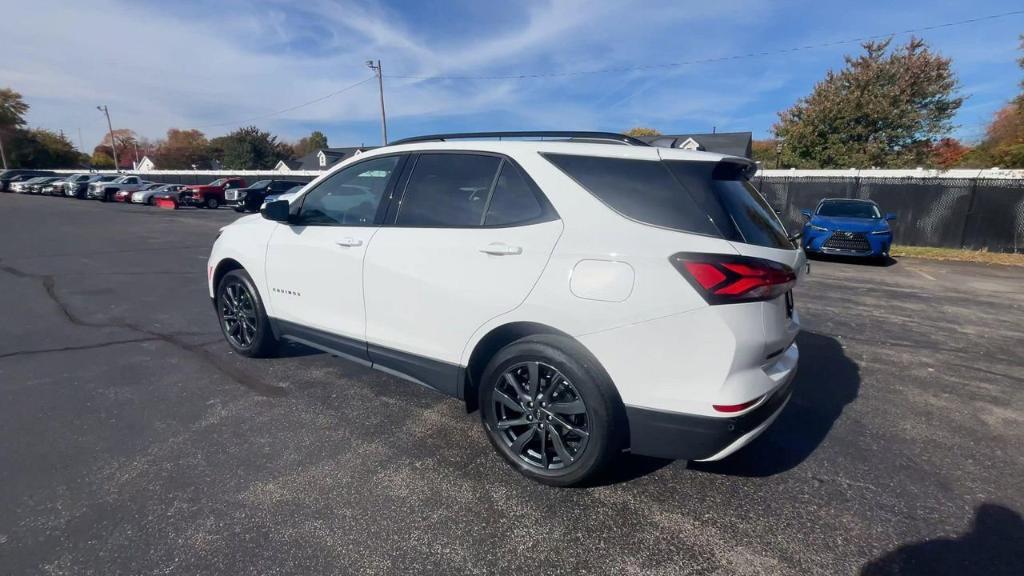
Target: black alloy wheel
238	315
212	203
551	411
243	320
540	416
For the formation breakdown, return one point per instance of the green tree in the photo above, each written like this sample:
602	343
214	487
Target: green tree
315	141
247	148
638	131
884	108
37	148
12	109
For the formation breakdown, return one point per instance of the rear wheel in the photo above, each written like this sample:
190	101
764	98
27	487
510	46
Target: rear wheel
551	411
243	320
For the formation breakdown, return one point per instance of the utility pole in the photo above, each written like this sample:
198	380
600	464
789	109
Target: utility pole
380	85
113	144
2	154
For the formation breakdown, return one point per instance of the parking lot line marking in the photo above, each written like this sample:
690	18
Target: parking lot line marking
925	274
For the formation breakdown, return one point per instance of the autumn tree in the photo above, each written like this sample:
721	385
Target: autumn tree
308	144
182	150
638	131
1003	144
885	108
764	151
948	152
12	109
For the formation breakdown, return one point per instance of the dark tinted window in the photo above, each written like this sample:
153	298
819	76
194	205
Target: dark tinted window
448	190
513	200
349	197
731	201
848	209
643	190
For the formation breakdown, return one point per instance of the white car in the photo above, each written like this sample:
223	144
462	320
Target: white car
105	191
588	296
146	196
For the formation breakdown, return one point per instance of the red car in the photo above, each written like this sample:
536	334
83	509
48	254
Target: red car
210	195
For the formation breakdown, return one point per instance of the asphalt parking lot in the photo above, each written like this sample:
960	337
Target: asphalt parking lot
133	442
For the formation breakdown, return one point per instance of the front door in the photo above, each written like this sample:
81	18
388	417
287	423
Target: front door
314	263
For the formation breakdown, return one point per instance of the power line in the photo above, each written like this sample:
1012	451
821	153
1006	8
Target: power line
296	107
641	67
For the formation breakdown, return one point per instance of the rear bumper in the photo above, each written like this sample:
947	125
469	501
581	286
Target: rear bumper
680	436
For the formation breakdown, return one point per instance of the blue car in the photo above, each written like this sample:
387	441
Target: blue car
847	227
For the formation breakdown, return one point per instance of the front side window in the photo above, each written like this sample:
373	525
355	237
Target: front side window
448	190
349	197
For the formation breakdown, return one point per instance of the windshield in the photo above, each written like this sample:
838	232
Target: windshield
260	184
848	209
218	182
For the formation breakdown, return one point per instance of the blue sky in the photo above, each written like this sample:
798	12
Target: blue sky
213	64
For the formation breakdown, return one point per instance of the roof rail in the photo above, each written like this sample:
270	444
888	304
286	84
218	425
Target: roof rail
588	136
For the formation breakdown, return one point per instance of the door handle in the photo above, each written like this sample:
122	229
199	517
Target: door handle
349	242
501	249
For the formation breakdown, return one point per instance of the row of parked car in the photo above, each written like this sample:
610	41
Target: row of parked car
233	192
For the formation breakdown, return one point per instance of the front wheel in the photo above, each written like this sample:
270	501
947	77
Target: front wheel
243	320
551	411
212	203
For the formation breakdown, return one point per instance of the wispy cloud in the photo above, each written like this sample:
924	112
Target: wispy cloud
204	62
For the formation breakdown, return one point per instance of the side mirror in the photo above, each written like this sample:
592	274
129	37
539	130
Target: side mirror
806	213
277	211
890	216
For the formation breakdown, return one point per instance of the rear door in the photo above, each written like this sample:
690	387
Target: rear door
467	239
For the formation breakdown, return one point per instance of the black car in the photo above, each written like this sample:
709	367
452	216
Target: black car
19	175
36	187
251	198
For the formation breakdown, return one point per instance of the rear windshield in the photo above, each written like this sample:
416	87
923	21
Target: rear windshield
731	201
710	198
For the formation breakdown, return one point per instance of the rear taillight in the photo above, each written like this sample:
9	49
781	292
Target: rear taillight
729	279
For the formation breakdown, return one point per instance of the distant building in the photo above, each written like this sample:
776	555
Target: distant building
322	159
732	143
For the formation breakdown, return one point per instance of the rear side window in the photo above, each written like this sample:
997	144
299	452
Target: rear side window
513	200
738	210
642	190
449	190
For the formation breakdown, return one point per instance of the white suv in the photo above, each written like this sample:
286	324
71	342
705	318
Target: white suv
588	295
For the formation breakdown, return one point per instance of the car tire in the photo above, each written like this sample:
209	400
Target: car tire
239	208
243	319
212	203
564	446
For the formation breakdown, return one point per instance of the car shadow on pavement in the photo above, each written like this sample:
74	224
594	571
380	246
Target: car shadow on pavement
993	547
883	262
826	381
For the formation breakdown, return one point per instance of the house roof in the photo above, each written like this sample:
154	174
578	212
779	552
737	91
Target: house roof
732	143
311	161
